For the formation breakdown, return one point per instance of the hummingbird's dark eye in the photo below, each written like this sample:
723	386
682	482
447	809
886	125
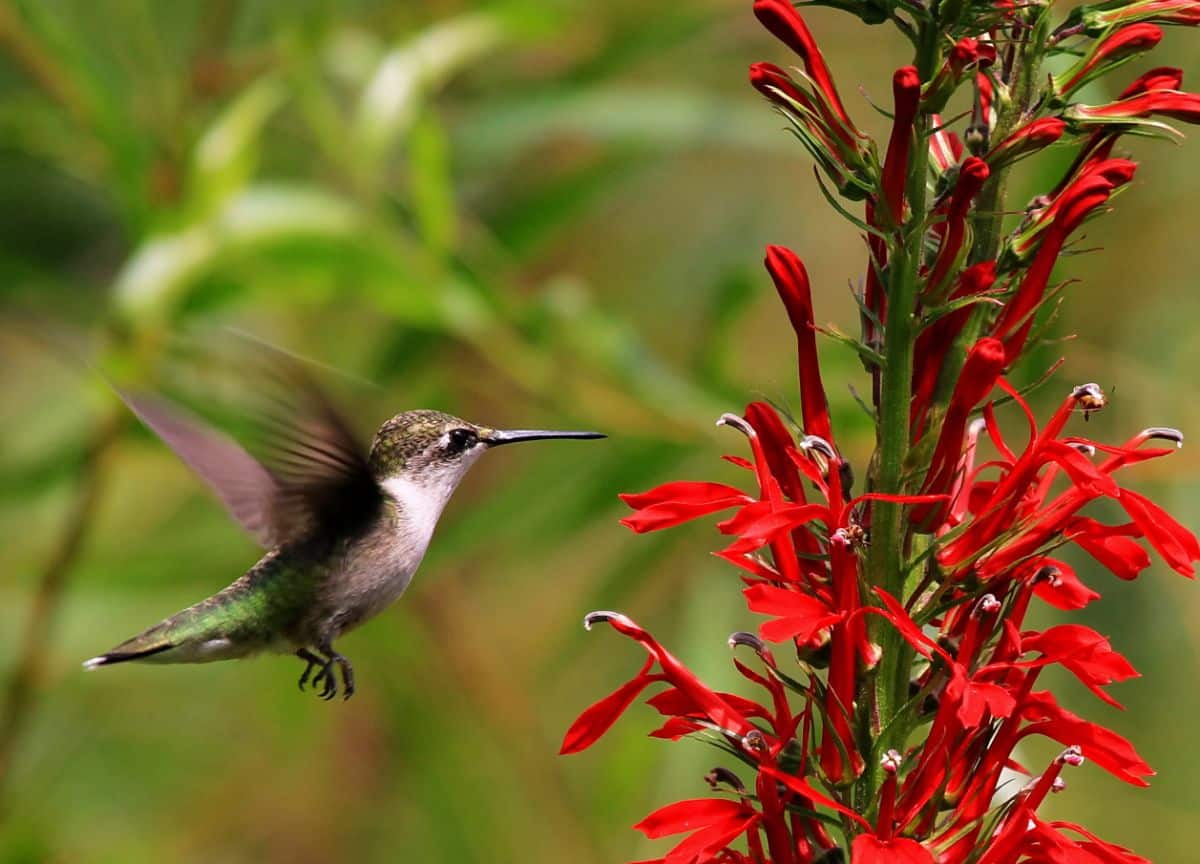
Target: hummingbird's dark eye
459	440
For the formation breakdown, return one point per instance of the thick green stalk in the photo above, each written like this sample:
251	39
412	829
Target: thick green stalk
886	555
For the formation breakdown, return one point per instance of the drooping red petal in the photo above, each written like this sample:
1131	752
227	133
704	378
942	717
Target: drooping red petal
690	815
719	712
799	616
802	787
1103	746
1177	545
599	718
869	849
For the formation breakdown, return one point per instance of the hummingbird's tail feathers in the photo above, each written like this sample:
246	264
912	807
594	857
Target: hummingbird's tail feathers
143	646
116	656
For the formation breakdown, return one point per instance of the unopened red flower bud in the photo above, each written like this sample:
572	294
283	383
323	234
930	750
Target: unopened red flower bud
1030	138
1106	54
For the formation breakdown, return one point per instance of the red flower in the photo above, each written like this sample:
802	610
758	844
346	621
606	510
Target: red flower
906	93
854	749
1021	142
1098	18
786	25
791	281
714	823
1107	53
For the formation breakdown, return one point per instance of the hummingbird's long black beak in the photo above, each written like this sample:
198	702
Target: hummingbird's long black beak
514	436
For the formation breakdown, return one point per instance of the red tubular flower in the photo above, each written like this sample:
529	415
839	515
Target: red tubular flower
906	93
1158	78
1161	103
835	148
1057	221
786	25
1117	48
791	281
715	823
945	147
823	737
971	177
983	110
1033	136
968	53
1097	19
985	363
935	340
597	719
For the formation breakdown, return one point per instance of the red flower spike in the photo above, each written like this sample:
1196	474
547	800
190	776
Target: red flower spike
906	93
791	281
802	544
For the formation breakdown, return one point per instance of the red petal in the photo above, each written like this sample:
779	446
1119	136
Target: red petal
791	281
689	816
869	849
1176	544
600	717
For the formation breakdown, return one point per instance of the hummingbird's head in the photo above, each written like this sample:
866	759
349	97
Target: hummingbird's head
433	450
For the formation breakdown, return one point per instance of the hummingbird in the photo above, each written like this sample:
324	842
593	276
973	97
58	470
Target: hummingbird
344	528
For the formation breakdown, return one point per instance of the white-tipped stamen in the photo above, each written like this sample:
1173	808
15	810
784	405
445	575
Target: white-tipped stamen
1163	433
738	423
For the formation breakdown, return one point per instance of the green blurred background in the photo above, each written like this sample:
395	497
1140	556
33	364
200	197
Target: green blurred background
528	214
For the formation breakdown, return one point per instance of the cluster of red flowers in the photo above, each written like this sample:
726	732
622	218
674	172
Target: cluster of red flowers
842	760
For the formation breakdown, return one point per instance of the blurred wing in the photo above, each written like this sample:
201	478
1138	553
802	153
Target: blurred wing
312	477
244	486
324	476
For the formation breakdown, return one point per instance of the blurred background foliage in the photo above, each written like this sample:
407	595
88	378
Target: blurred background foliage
527	213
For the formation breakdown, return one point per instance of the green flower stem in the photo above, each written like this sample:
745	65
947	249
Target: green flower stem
886	555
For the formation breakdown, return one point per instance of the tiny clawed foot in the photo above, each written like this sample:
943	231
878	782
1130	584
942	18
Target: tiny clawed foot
311	661
324	683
